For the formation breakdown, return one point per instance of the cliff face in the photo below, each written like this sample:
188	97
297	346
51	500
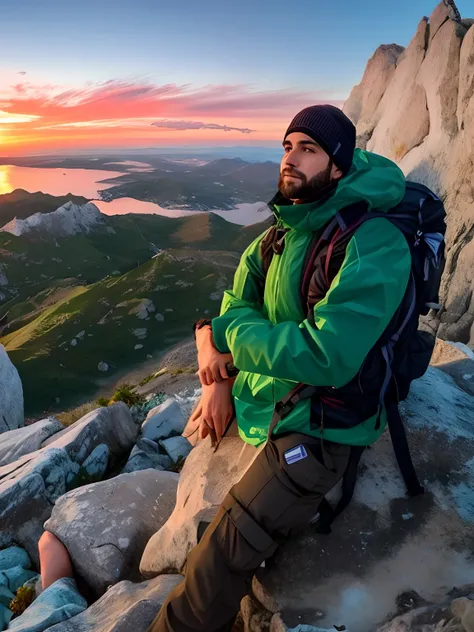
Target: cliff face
416	106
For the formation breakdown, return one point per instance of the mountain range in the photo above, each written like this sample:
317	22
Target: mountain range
75	269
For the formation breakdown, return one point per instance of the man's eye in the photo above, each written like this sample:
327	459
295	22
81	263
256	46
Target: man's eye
308	149
287	149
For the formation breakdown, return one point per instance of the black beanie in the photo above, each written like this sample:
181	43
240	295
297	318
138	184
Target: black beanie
331	129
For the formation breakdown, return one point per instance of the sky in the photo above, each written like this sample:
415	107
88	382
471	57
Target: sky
145	73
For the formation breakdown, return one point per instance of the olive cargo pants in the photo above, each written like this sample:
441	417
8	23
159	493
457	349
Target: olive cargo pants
278	495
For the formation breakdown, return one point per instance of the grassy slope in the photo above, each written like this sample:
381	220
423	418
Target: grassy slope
50	367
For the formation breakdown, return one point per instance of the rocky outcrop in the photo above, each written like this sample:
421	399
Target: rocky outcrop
105	526
30	485
69	219
383	548
424	120
11	395
123	608
16	443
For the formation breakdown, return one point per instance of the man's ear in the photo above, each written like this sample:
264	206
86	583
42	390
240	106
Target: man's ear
336	173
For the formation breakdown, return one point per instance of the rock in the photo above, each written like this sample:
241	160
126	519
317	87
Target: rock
425	122
30	485
353	577
103	367
159	317
440	15
205	480
16	443
73	342
138	347
163	421
94	467
456	360
365	97
177	448
140	332
463	608
124	607
57	603
146	455
14	556
105	526
11	395
80	335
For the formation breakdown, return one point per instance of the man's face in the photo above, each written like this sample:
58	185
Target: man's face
305	169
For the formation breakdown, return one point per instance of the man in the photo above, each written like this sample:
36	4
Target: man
265	331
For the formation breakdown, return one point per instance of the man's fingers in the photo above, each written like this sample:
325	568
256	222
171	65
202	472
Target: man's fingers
223	372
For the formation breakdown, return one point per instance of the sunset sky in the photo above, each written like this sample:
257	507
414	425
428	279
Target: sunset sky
147	73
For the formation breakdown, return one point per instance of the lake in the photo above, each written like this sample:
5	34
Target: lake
87	183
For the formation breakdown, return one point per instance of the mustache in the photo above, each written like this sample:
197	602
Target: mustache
292	172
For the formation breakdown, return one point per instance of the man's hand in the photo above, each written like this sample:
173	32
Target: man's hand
216	409
212	363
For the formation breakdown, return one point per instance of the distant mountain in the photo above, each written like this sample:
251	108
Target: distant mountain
21	204
69	219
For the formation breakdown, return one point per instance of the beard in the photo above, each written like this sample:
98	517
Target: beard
307	190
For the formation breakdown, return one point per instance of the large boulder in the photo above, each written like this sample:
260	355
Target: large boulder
16	443
165	420
365	97
384	546
11	395
30	485
105	526
425	122
124	607
205	479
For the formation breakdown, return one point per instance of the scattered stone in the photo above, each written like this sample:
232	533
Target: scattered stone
11	395
159	317
146	455
138	347
163	421
124	607
103	367
80	335
140	333
105	526
73	342
30	485
94	467
16	443
177	448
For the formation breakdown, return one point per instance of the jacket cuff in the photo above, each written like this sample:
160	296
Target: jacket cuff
219	328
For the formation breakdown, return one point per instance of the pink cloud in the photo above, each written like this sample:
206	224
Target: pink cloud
119	99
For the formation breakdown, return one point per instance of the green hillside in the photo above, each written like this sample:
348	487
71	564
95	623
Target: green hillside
108	320
22	204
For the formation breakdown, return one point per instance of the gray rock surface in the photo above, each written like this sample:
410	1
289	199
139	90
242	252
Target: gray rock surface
17	443
123	608
146	455
105	526
425	122
164	421
30	485
11	395
177	448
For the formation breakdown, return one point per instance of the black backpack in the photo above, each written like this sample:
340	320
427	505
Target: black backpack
403	352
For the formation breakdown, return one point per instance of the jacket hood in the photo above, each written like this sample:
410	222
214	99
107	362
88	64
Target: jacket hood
372	179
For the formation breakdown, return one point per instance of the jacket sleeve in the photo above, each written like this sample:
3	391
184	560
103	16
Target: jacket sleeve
247	292
358	307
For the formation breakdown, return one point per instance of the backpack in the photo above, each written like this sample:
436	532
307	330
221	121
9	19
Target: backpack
403	352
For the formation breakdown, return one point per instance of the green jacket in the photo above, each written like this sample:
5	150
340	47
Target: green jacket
263	325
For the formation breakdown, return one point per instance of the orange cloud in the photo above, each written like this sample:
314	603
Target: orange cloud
124	113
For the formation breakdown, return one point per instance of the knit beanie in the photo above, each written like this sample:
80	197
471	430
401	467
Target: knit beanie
331	129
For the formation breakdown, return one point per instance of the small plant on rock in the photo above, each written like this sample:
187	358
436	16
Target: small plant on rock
126	394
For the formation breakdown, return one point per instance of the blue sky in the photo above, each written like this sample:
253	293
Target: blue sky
269	44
